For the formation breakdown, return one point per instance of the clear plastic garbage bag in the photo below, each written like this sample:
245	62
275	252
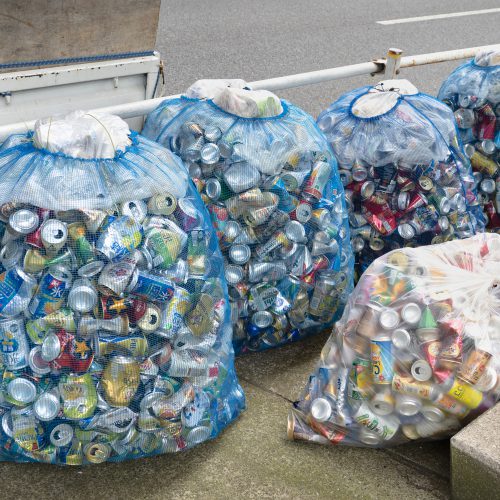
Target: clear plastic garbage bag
416	354
271	185
472	91
115	332
407	180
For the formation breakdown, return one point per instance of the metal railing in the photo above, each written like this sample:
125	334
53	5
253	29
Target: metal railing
389	67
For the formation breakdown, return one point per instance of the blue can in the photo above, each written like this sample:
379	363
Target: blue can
382	360
119	237
14	343
51	292
16	289
286	200
154	288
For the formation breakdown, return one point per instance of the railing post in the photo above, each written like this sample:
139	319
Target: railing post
392	64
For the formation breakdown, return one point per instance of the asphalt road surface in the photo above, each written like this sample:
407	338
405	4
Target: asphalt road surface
258	39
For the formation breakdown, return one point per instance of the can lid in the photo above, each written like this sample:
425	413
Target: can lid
389	319
210	153
321	409
213	188
212	134
61	435
487	186
469	150
22	390
46	407
421	370
488	380
232	230
51	347
444	206
376	244
240	253
53	232
136	209
406	231
262	319
7	424
82	297
91	269
401	339
367	189
24	221
488	146
411	313
233	274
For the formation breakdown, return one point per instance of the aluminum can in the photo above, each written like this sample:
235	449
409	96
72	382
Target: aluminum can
119	238
51	292
120	380
382	360
14	343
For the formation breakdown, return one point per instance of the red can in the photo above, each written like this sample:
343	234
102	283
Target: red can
76	353
485	123
379	215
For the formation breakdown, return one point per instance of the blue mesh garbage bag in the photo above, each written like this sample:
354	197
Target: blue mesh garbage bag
271	185
407	180
416	354
115	332
473	93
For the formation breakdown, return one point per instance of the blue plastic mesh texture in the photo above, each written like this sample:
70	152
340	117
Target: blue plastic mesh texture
415	355
115	332
406	177
272	188
473	93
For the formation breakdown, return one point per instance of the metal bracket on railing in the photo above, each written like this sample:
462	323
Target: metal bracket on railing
392	63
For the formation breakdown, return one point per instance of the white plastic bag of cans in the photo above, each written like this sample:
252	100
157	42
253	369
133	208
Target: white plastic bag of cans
115	334
473	93
416	354
272	188
407	180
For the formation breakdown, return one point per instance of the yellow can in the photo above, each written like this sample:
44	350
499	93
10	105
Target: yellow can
120	380
466	394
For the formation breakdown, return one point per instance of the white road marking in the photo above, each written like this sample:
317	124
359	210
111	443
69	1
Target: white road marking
438	16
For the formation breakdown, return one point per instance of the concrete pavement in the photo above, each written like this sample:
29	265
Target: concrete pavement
252	458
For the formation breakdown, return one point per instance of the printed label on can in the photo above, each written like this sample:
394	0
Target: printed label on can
382	361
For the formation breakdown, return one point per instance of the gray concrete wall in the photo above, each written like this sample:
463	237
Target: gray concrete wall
52	29
475	458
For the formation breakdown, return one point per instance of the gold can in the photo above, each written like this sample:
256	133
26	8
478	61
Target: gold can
474	366
97	453
120	380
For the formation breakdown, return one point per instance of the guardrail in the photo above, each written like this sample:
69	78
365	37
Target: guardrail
389	67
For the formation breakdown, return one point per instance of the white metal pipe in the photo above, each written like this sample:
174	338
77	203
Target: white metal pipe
139	108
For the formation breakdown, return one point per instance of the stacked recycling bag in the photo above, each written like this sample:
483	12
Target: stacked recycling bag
416	354
115	333
473	93
271	185
407	180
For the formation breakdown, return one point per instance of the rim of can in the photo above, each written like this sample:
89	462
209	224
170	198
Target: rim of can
140	207
213	188
407	405
82	298
233	274
7	426
37	364
61	435
22	390
401	338
262	319
303	212
240	253
376	244
52	228
389	319
368	437
46	407
411	313
24	221
421	370
321	409
210	153
432	413
406	231
11	251
367	189
91	269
